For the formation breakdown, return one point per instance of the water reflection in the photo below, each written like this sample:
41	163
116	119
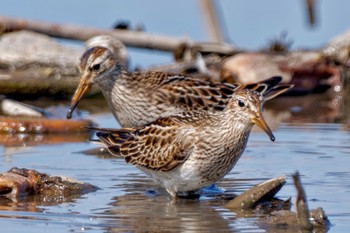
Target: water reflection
33	203
325	108
7	204
127	201
24	140
163	215
138	211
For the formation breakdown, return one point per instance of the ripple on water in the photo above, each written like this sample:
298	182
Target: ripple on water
130	201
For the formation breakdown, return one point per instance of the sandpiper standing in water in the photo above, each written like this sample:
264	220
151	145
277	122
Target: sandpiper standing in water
191	150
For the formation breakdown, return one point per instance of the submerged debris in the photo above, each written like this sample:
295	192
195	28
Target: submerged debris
15	140
42	125
302	207
257	194
24	118
19	182
286	220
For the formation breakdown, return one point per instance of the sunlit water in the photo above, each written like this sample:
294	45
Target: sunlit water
129	201
307	139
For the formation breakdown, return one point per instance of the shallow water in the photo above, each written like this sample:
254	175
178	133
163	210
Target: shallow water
317	145
312	133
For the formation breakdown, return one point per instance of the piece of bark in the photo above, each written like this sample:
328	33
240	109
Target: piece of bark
257	194
287	221
136	39
303	220
9	141
42	125
19	182
301	204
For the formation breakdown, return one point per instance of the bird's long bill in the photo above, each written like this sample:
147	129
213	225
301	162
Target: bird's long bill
81	90
260	121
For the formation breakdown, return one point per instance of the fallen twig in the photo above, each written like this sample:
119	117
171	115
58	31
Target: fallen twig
136	39
301	204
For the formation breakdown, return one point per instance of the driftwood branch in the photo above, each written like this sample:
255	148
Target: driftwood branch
213	20
136	39
301	204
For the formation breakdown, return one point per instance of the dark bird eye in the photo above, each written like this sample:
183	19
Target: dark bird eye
96	67
241	103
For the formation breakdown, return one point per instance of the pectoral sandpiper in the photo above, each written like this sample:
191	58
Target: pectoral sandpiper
139	98
190	150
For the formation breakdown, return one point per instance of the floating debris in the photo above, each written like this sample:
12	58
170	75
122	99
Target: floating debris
302	221
23	118
42	125
287	221
19	182
302	207
257	194
29	139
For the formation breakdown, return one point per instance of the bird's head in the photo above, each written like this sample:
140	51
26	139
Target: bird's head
247	105
97	63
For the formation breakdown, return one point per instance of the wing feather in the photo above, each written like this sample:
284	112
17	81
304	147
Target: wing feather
156	146
191	93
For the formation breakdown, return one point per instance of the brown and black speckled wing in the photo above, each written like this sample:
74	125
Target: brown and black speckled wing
185	92
270	88
198	94
201	94
156	146
192	94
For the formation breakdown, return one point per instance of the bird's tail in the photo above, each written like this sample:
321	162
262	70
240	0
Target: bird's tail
270	88
112	138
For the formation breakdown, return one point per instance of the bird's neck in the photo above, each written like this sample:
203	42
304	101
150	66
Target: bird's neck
121	94
119	76
236	128
227	122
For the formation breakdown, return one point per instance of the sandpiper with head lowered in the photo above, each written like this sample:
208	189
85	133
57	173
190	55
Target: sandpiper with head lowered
139	98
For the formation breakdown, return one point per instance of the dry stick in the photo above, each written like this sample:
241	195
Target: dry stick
301	205
211	16
76	32
310	6
129	38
